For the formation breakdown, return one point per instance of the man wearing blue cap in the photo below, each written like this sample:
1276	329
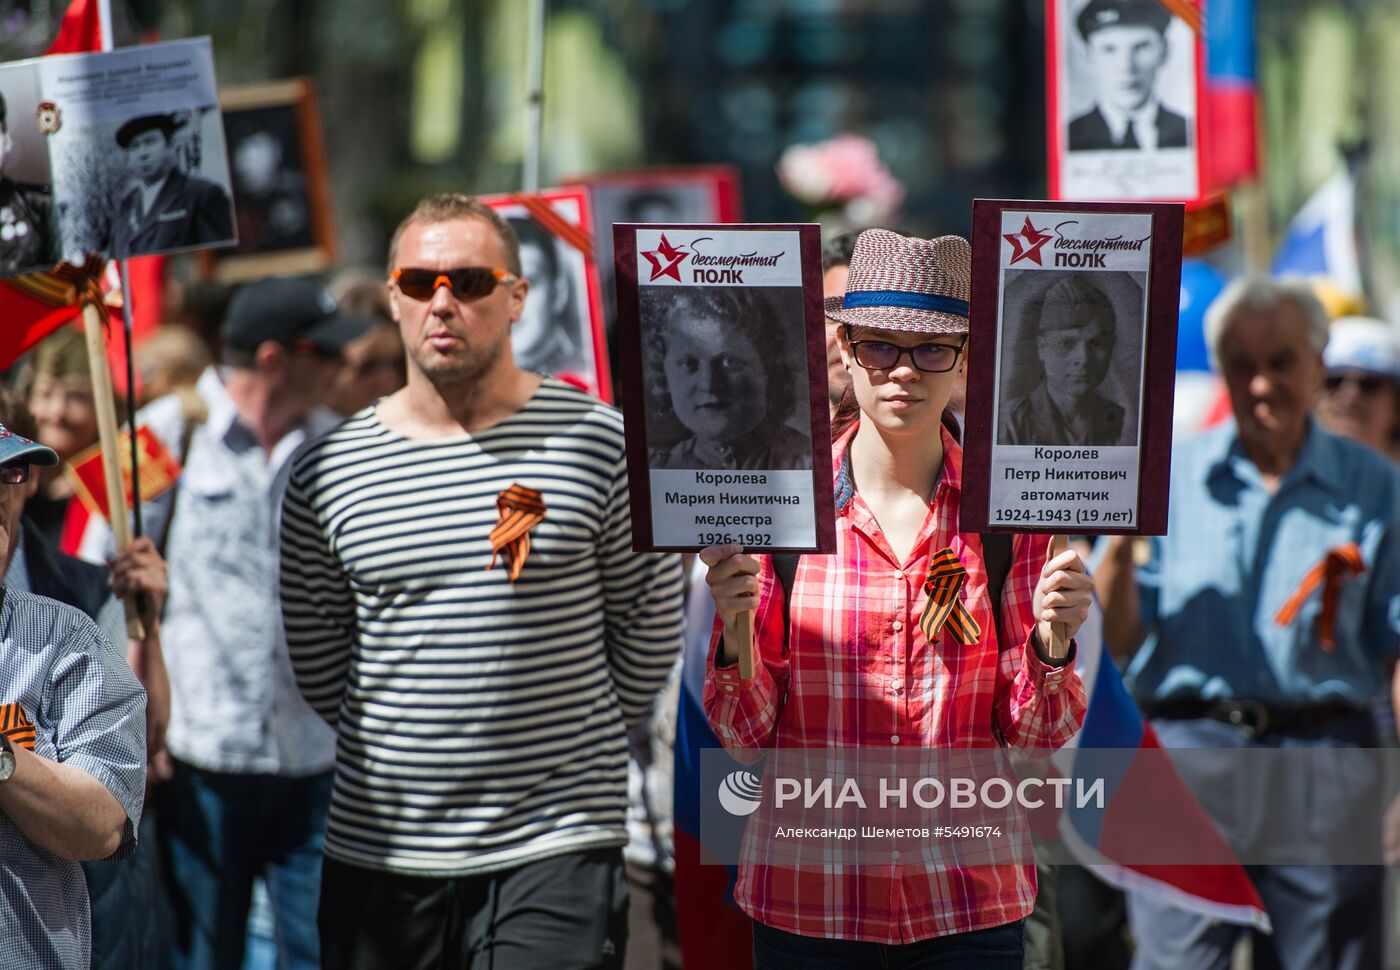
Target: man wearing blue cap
72	756
1127	47
166	209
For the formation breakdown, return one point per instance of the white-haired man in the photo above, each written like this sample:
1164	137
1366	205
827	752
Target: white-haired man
1272	518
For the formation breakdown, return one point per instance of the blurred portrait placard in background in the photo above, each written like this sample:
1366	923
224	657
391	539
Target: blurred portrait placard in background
1072	356
119	153
728	438
281	186
561	330
702	194
1123	101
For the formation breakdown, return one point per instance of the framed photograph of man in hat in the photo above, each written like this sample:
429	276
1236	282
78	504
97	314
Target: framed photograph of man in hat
1123	90
137	145
561	330
728	436
1071	366
281	185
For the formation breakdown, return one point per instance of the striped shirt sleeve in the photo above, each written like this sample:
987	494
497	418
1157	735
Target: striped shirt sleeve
642	607
318	607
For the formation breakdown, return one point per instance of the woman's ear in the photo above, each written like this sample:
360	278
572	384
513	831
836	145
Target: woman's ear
843	344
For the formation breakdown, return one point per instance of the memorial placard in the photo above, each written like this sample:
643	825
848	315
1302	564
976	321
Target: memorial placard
1072	350
728	438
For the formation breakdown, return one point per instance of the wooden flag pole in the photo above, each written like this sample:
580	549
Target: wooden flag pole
1058	647
105	404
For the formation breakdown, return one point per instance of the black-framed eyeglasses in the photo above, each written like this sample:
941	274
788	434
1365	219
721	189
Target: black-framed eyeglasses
1365	383
930	358
14	472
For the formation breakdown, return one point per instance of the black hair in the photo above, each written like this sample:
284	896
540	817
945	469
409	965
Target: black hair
837	250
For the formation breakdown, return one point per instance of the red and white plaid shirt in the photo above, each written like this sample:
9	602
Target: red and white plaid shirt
860	674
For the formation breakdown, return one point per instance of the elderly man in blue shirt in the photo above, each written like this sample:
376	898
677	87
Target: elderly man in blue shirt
72	758
1266	618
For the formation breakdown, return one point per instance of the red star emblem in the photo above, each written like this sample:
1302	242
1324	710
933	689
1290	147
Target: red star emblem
666	260
1027	243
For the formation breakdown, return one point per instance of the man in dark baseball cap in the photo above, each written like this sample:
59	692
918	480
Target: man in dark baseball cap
259	758
290	311
1127	46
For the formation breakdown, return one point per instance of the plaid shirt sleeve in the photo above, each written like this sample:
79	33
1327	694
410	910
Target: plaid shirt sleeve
1037	707
744	713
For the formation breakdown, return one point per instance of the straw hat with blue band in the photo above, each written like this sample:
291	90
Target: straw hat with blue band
902	283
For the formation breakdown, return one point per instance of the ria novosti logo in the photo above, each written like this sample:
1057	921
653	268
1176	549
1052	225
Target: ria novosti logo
740	793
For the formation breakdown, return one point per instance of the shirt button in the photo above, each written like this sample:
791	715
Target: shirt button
1052	688
899	574
894	739
729	688
895	855
896	626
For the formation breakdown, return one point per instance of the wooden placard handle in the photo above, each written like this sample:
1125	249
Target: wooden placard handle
107	437
1058	647
743	643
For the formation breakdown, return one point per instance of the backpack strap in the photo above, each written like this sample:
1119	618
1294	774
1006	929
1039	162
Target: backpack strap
996	559
785	568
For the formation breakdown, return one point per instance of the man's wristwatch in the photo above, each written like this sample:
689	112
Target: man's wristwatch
7	759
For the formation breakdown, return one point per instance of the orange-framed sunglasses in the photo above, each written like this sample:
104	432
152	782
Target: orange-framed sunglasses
464	282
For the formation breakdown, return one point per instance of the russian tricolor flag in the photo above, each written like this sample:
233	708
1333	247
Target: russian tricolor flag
1321	239
714	931
1149	813
1229	114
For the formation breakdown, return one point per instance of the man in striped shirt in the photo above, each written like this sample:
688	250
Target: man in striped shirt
463	605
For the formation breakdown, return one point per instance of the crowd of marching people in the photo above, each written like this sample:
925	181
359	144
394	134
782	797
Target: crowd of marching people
401	694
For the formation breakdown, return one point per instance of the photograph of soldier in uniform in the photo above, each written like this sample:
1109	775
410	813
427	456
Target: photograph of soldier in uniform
1126	47
1071	358
725	376
164	208
27	235
550	335
271	206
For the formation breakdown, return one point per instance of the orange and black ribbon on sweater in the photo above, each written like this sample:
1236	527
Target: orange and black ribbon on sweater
16	726
1339	565
521	510
946	576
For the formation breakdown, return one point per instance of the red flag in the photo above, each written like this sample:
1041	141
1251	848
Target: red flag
81	29
32	307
